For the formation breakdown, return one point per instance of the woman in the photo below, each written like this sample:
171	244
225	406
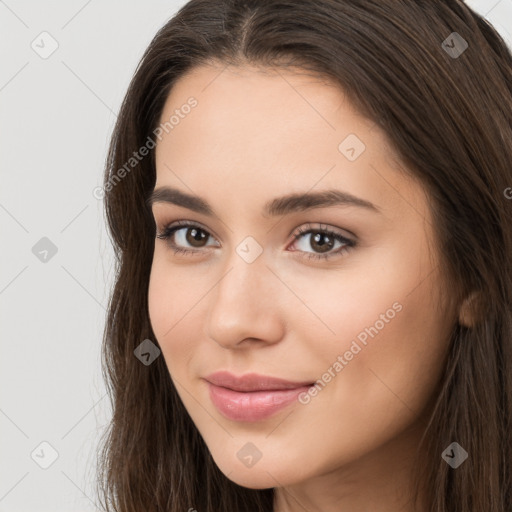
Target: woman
310	204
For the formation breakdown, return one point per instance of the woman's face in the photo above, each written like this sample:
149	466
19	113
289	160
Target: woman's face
362	316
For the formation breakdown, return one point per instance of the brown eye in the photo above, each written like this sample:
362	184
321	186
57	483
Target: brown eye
185	237
195	236
322	241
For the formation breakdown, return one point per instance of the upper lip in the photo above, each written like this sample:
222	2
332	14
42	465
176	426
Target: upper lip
252	382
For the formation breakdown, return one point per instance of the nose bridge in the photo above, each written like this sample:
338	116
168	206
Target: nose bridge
247	277
244	303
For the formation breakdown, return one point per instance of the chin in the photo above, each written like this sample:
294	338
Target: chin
264	474
259	476
252	480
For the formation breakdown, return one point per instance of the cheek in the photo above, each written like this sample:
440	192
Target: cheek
174	303
170	294
392	362
389	334
380	371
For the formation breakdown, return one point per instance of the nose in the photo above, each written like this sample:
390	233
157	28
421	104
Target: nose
244	306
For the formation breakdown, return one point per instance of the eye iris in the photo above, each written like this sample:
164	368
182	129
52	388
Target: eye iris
196	235
322	246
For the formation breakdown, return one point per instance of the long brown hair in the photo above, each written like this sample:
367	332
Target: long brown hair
447	110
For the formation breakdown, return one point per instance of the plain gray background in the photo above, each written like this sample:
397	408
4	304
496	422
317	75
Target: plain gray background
56	115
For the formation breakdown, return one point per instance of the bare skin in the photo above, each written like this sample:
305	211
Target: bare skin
252	137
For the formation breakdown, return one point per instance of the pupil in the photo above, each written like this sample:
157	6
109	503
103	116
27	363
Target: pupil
197	235
325	246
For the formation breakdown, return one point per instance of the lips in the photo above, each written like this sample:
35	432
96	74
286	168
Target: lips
252	397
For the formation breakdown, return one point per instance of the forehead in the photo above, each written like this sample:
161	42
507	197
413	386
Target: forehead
254	96
278	130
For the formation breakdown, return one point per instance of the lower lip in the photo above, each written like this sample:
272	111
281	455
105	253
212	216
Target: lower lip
252	405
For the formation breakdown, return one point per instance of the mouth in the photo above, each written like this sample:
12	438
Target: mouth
252	397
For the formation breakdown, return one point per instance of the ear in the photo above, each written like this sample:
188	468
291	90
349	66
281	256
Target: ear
470	310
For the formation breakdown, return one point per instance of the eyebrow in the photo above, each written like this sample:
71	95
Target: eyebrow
275	207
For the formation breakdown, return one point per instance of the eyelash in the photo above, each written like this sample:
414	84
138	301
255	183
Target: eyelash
170	229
